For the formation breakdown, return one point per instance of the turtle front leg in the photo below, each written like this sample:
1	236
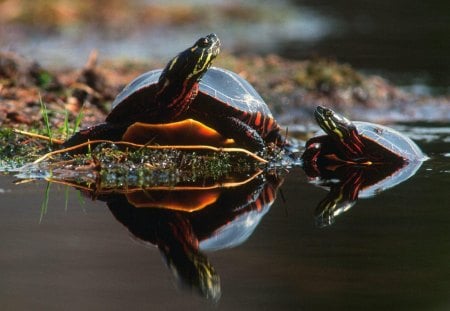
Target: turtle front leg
106	131
243	134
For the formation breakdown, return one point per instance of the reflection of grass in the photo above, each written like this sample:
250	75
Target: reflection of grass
46	199
44	205
66	197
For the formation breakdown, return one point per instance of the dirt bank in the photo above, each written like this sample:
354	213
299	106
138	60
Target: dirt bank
291	88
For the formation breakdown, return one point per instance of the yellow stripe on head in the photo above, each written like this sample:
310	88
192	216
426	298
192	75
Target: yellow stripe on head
331	126
339	133
204	66
174	61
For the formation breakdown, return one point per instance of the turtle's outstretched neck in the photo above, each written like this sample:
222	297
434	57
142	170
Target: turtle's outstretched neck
107	131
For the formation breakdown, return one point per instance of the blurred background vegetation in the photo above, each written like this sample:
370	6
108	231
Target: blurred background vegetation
404	41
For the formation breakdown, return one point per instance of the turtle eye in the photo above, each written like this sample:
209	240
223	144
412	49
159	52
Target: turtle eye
203	42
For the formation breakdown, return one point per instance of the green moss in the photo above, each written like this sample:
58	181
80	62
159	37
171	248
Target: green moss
16	150
44	79
148	167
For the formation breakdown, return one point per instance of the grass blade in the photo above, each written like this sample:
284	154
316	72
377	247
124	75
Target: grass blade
44	113
78	121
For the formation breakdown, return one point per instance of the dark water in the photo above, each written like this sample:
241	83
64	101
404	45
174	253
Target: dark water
390	252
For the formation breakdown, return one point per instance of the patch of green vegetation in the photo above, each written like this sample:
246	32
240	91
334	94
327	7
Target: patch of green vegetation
108	167
44	79
77	123
112	166
16	150
327	76
148	167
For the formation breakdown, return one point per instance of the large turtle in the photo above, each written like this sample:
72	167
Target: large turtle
158	96
224	101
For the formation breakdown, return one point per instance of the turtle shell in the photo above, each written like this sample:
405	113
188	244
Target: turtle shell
133	99
389	139
381	144
219	84
232	91
223	92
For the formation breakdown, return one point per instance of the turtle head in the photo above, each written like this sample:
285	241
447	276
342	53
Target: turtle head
179	79
341	130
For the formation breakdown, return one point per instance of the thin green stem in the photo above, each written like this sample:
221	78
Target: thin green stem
78	121
44	113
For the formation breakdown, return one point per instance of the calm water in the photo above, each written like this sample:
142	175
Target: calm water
390	252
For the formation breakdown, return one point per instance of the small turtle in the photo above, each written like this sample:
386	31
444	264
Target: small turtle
360	143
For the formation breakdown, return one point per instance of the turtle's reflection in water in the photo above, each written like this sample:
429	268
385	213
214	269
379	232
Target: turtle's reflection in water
348	183
185	221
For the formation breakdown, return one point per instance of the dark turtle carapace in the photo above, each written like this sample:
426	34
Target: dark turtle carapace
359	143
230	105
158	96
225	103
221	100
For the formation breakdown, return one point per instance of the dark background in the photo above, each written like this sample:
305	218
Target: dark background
409	41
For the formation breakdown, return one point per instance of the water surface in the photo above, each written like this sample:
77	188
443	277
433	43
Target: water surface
390	252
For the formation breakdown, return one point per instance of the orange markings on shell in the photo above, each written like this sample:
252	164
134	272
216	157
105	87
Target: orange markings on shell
186	132
258	119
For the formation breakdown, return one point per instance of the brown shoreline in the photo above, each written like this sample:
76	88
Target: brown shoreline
292	90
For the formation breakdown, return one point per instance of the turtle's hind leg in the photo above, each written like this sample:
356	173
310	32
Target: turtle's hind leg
243	134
